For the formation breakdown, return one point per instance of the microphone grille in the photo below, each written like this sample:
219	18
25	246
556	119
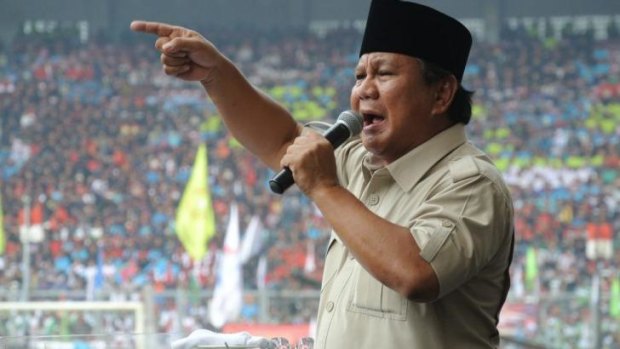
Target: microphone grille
352	121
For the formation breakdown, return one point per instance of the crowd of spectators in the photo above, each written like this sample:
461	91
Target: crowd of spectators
97	144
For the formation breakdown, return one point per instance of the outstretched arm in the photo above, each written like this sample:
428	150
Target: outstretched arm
263	126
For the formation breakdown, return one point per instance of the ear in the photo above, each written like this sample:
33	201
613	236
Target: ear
444	94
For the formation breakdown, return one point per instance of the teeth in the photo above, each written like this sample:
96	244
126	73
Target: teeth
371	119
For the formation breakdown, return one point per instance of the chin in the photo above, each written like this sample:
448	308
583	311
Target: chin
372	144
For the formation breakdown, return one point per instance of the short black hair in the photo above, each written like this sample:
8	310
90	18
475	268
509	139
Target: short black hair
460	109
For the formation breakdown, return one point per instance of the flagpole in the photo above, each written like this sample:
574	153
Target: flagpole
595	307
26	250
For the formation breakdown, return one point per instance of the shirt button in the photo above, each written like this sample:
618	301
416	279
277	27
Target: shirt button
373	199
447	224
330	307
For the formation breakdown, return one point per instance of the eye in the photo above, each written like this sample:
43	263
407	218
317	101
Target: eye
360	76
384	73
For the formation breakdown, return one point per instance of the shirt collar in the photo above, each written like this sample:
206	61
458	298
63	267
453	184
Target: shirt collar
409	168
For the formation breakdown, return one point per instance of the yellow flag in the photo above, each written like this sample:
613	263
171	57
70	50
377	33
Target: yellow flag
195	220
531	268
2	241
614	299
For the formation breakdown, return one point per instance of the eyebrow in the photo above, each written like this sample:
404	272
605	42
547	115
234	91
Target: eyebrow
376	62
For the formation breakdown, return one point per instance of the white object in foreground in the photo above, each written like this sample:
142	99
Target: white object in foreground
203	339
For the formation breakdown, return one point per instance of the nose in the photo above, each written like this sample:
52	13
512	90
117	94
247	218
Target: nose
366	89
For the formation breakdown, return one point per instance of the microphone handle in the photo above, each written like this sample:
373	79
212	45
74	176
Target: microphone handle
336	135
282	181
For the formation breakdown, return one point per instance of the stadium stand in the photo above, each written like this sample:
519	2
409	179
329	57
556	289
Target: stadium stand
103	143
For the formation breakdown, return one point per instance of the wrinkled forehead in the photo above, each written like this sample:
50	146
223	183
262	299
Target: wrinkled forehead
376	59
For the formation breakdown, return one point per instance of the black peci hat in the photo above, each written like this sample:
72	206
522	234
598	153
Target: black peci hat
418	31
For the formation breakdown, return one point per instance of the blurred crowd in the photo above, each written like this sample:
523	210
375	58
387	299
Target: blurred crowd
97	144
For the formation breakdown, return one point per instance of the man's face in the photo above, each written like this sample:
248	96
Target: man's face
396	104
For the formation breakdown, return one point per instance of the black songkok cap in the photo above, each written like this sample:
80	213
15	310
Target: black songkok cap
419	31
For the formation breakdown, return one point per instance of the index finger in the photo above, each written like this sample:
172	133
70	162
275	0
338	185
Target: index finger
157	28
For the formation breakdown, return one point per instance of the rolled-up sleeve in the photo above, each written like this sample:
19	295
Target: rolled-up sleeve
460	228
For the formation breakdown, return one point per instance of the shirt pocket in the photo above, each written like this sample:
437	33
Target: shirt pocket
372	298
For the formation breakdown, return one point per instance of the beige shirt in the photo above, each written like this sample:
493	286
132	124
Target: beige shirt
459	211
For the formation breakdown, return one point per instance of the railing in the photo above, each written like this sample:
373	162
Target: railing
550	321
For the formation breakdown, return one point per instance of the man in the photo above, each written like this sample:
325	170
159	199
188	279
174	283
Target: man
422	220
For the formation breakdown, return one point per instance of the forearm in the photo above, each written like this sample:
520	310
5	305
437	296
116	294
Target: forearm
263	126
386	250
257	121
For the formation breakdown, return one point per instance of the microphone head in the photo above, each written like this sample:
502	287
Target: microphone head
352	121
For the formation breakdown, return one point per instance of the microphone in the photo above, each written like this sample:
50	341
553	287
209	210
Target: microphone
348	124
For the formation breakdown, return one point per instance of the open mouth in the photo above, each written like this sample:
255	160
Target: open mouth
372	119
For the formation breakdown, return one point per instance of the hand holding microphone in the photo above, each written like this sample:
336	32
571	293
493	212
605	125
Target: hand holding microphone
348	124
